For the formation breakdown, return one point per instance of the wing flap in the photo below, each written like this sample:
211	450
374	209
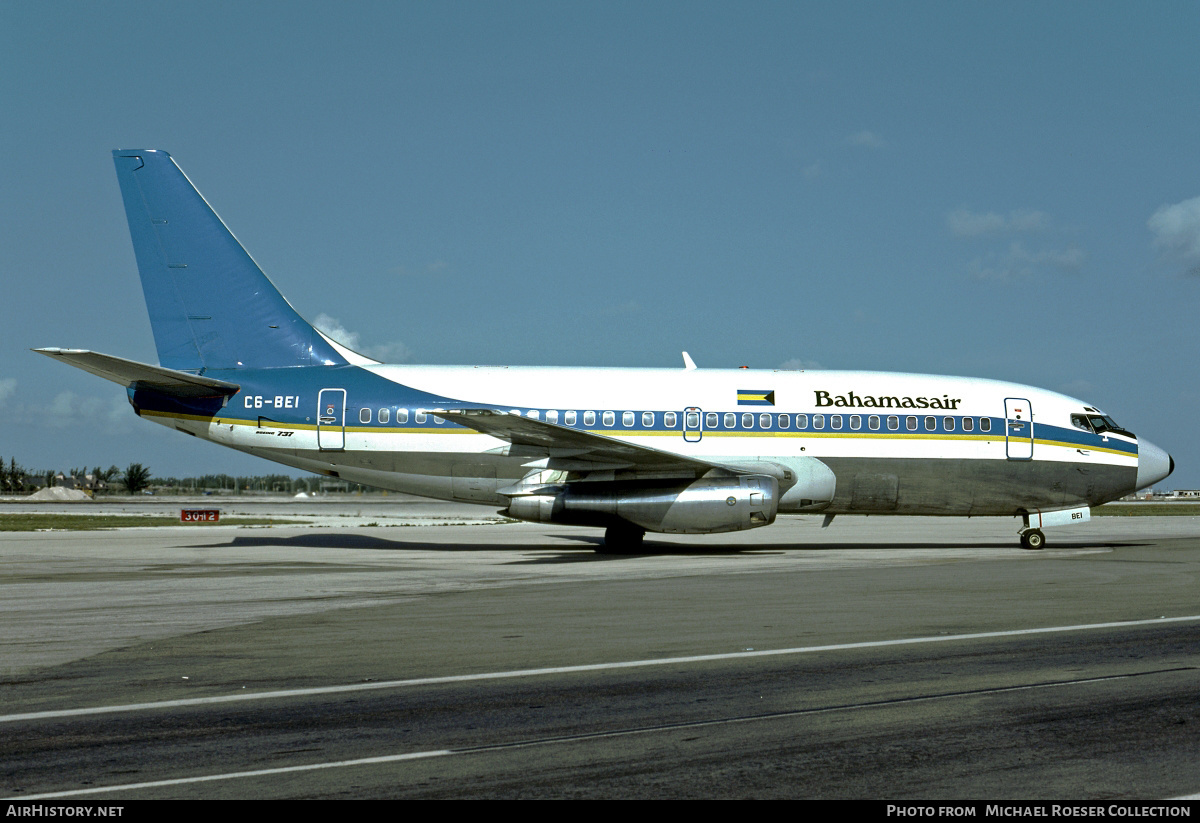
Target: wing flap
130	372
573	449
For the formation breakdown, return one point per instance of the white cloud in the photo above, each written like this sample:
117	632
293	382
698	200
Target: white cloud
334	328
1019	262
1004	238
1068	259
109	414
1177	231
1078	388
800	364
394	352
866	139
964	223
8	387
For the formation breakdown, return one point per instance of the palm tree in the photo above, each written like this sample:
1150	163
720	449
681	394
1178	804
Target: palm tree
137	477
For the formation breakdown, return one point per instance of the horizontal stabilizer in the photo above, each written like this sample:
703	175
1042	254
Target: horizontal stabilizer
132	373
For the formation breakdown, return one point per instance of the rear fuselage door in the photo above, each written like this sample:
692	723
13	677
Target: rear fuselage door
1018	428
331	419
693	424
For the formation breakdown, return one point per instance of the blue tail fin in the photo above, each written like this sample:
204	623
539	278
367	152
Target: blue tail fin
211	306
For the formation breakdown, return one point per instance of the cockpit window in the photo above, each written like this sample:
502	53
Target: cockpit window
1098	423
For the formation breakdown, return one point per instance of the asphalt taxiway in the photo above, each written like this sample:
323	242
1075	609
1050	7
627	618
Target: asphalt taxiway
878	658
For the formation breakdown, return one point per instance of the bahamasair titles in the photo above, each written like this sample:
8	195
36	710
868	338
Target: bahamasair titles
679	451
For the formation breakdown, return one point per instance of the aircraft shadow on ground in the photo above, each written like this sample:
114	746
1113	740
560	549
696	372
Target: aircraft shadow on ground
588	547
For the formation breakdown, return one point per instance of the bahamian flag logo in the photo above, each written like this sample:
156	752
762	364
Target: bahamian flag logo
756	397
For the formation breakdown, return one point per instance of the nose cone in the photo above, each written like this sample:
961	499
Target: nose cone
1153	464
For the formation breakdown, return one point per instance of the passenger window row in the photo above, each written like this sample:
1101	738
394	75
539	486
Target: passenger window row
714	421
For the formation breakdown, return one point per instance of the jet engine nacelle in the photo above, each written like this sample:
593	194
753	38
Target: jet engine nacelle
705	506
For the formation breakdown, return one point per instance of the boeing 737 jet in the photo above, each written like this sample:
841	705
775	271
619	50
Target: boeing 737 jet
680	451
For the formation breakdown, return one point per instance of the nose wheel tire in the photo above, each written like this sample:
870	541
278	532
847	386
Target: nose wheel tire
1033	539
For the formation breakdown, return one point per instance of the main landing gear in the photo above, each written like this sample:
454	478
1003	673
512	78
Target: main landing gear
622	540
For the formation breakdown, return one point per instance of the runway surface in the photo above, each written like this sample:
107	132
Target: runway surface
880	658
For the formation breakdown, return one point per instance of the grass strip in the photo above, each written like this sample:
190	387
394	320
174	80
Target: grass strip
1147	510
93	522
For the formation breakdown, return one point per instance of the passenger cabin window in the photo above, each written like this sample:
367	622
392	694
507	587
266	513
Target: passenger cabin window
670	419
931	424
533	414
439	420
730	420
785	421
802	421
401	415
910	423
856	421
747	420
948	422
691	421
609	418
626	419
985	424
384	415
835	421
569	418
589	418
764	421
552	416
364	415
873	422
968	424
893	422
710	420
648	420
818	421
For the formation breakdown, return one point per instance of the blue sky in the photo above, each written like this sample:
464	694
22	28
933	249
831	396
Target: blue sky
1006	190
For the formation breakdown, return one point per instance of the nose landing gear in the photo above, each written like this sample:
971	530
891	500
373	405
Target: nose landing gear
1032	539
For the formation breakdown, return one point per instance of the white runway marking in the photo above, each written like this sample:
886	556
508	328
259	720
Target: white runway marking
208	778
576	738
589	667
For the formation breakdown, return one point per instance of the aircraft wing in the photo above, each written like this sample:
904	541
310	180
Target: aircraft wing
130	372
569	449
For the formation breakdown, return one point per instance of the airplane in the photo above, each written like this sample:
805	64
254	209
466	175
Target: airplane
630	450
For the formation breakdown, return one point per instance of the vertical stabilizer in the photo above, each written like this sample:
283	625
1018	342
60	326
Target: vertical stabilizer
211	306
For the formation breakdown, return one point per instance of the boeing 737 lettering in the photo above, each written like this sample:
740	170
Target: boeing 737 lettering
679	451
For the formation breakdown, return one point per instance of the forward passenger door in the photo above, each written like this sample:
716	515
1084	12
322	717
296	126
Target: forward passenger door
1018	428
